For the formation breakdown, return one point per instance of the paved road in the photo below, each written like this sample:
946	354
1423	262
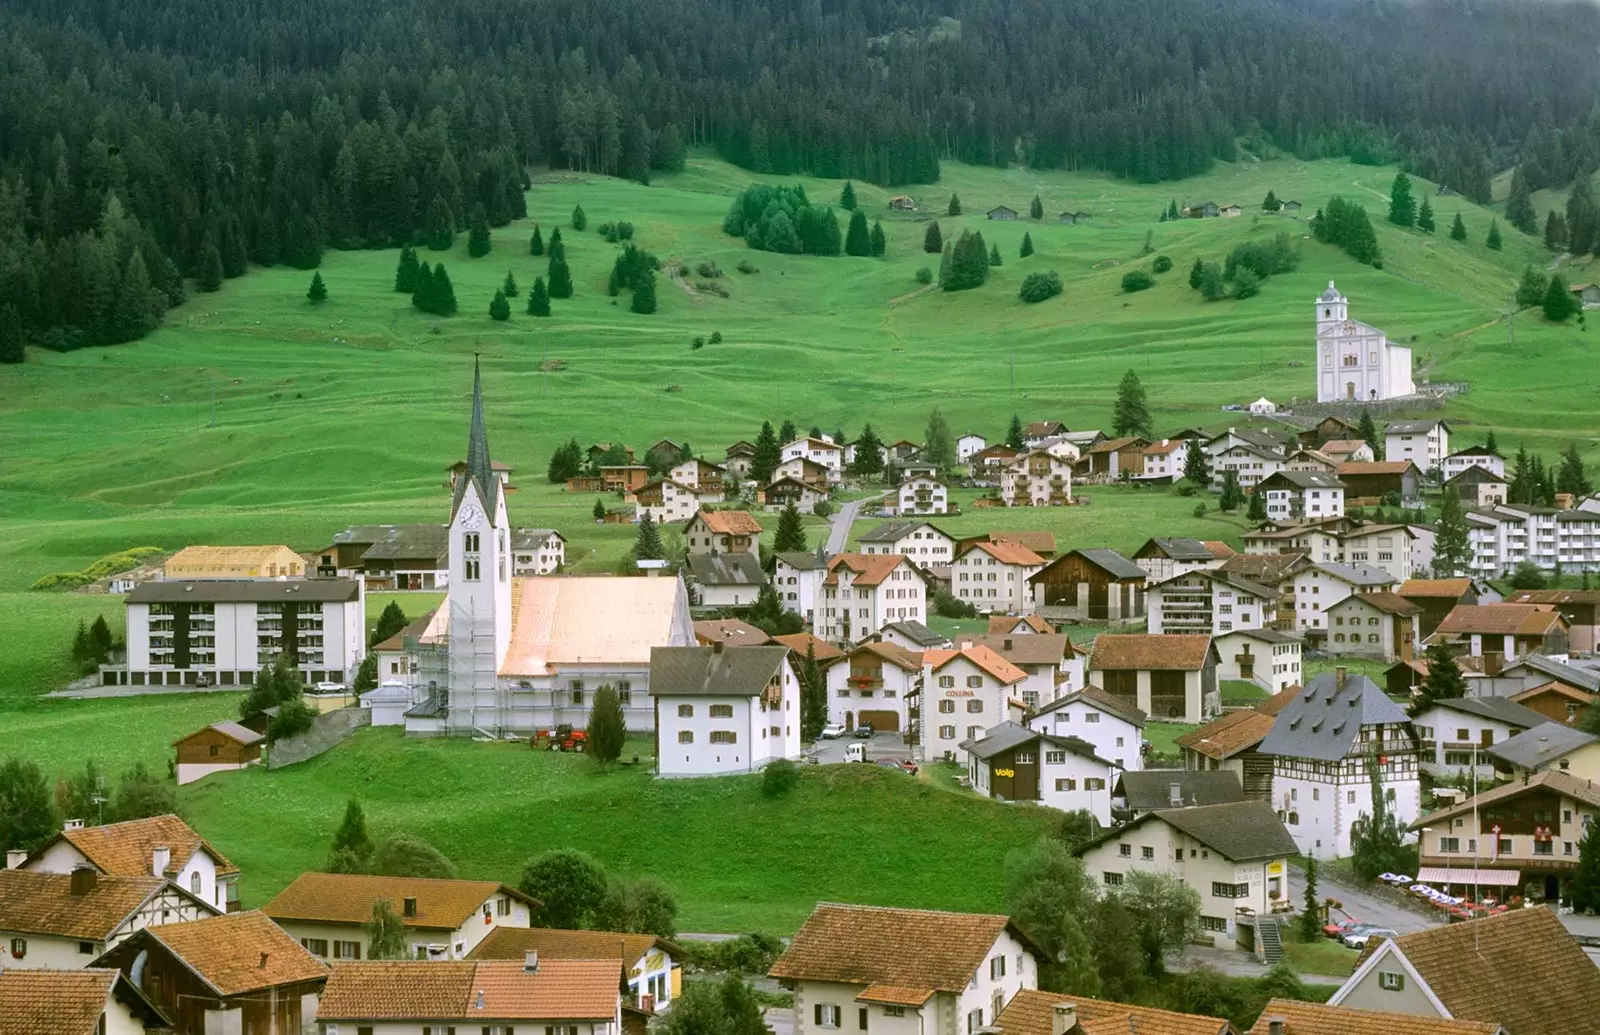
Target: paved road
882	745
839	530
140	691
1364	905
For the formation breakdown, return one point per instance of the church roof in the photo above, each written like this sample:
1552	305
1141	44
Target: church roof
1344	327
1330	295
480	469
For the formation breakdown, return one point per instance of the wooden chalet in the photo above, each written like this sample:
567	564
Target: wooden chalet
1090	585
1001	212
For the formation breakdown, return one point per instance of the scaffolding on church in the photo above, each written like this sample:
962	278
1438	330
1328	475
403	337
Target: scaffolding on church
476	704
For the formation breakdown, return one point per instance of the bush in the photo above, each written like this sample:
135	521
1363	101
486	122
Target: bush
745	267
1188	488
948	605
698	342
716	337
294	717
707	268
616	232
1248	285
1137	280
712	287
746	954
1200	509
779	778
1161	264
1036	287
822	509
579	220
924	276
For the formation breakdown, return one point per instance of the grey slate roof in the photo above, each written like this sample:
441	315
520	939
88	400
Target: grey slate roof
891	531
1477	474
1152	788
1181	548
408	542
1412	427
917	633
726	569
1582	678
247	591
1111	561
1500	709
801	560
1097	697
531	538
1358	574
1238	831
708	672
1324	722
1009	735
1541	745
1262	635
479	466
1304	479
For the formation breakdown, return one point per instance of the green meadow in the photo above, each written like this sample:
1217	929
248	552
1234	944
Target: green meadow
254	417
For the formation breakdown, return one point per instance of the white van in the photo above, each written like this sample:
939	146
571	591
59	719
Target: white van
856	752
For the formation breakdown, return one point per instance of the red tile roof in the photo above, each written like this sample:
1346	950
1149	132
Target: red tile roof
905	949
239	952
128	849
983	657
513	943
1500	620
43	903
1032	1012
1321	1019
54	1002
870	568
348	898
464	990
821	649
1185	653
730	522
1006	553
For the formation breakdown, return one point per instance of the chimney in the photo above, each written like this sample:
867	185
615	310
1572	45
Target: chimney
530	961
84	879
408	907
1339	675
72	824
1063	1018
262	964
716	646
1175	794
1276	1026
160	859
15	858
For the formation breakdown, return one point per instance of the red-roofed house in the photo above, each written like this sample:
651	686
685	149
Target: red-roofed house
1037	479
876	687
965	692
862	593
723	531
1171	678
994	576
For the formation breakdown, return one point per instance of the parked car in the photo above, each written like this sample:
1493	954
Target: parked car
1342	928
326	687
1357	939
864	731
833	731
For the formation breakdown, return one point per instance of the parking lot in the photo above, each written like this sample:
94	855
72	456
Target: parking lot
881	745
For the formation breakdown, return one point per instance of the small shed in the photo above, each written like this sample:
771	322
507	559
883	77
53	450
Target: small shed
903	203
1588	295
1290	206
1263	406
1002	212
388	704
215	748
1204	210
1230	211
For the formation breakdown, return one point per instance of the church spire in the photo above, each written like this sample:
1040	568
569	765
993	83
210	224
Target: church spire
479	469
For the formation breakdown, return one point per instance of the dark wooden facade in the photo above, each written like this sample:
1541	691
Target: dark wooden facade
1074	581
1013	780
213	747
186	999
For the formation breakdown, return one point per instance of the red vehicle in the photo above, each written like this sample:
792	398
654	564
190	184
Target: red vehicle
562	738
1340	929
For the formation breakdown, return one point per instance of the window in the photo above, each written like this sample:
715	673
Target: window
974	732
502	906
624	691
974	682
947	733
86	948
1449	844
947	706
1024	758
724	737
722	711
894	1011
469	542
1213	923
1220	889
315	946
1055	758
1092	717
346	950
947	681
577	697
1126	851
1066	785
826	1015
685	711
1544	847
1391	981
1112	880
194	882
1094	783
1147	853
686	736
997	968
974	706
861	1018
561	1029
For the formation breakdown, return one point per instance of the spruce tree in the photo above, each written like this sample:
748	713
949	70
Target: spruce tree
1402	206
1257	510
847	197
556	247
1492	240
538	299
599	509
869	453
499	308
1452	547
318	291
208	277
1036	209
1131	414
858	239
880	241
644	294
536	245
1014	433
954	208
441	225
1583	215
11	336
1196	272
994	255
422	292
405	271
1490	443
1531	289
813	696
1519	206
1425	216
1458	229
932	240
560	282
478	242
647	544
607	729
1586	878
1369	434
1172	209
1572	477
351	840
938	444
1309	923
1555	231
1231	495
788	432
509	288
1559	302
1271	203
791	534
444	293
1444	681
1194	465
1027	244
579	220
769	453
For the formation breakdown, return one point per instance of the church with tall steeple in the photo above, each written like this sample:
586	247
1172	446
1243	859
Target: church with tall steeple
1356	362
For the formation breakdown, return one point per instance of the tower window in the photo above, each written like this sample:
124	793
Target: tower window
1327	312
472	571
469	542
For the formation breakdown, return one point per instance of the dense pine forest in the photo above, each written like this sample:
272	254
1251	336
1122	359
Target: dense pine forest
154	147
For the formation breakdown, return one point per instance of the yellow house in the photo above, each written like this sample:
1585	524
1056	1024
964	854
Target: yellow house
234	562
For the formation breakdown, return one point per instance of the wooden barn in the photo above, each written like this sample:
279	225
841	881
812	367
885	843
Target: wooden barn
1090	585
215	748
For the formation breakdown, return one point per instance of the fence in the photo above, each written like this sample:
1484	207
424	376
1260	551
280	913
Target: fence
326	731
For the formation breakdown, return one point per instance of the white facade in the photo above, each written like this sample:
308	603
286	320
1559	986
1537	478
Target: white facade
960	699
197	876
923	544
1036	479
1502	537
1115	739
969	444
1263	407
723	734
858	599
1252	464
46	951
1356	361
1164	461
1424	443
819	451
1200	602
1318	587
334	941
1289	501
866	685
678	502
535	554
1459	461
1274	659
1388	547
1318	801
921	495
1452	740
797	586
1067	780
993	577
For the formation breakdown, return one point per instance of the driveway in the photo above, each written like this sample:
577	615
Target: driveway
839	529
1364	905
882	745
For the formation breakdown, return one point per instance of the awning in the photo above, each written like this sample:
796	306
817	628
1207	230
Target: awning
1464	875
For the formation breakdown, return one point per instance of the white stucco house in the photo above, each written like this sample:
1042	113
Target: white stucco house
163	846
723	710
1425	443
862	593
63	921
993	576
1114	728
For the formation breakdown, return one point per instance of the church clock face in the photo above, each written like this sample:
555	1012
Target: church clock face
471	516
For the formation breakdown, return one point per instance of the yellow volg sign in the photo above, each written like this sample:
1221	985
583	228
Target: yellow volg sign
1005	772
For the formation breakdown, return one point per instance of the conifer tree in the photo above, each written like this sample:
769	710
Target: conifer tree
560	282
858	239
441	225
555	246
769	453
1231	495
1027	244
1369	434
443	293
791	534
1583	215
1490	443
11	336
938	444
1519	206
1555	231
318	291
607	728
1572	477
1458	229
1444	681
1559	302
208	277
1257	510
813	696
1194	465
1036	209
946	263
1014	433
1586	878
788	432
405	271
847	197
478	241
422	291
1271	203
1131	414
880	241
536	245
869	453
499	308
509	288
954	208
1492	240
994	255
1172	209
932	240
1425	216
644	294
599	509
1196	272
1452	549
647	544
1530	290
1402	205
538	299
1309	923
579	220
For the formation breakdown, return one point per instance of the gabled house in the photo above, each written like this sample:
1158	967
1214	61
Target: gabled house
1300	495
969	444
1556	701
665	501
328	913
991	460
1154	789
1317	587
234	562
1054	666
1312	460
1036	479
797	577
1549	747
652	971
79	1002
734	632
391	997
60	921
1114	728
723	531
1438	597
1327	743
1002	212
919	494
802	643
965	692
1329	429
1377	479
1164	461
1474	456
725	579
924	543
1234	855
862	968
1390	547
912	636
1012	762
389	556
663	454
1502	633
1210	602
1453	733
163	846
722	710
1348	450
738	458
876	686
707	478
829	456
1049	1013
1266	657
1292	1017
1090	585
994	576
235	973
1481	971
1423	442
1479	487
1021	625
537	551
1229	743
216	748
784	492
1581	609
1380	625
1163	558
1172	678
864	592
804	469
1116	457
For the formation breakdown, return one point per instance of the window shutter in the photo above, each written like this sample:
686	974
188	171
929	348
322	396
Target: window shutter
817	1014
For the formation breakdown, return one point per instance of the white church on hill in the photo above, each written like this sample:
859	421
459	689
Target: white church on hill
505	656
1356	361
